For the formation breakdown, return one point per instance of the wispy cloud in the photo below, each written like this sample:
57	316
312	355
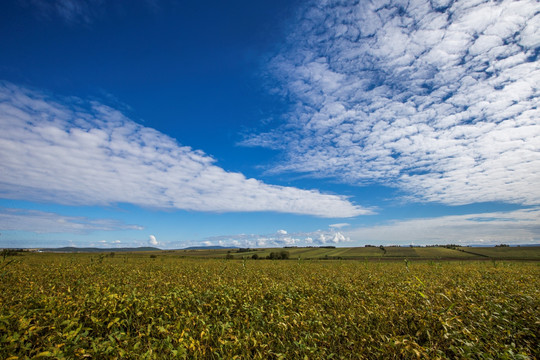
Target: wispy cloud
46	222
438	98
71	11
74	152
85	12
339	226
514	227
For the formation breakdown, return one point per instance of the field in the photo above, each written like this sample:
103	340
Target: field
168	305
375	253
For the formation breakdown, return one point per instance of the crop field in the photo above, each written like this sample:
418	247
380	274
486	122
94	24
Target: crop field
506	252
374	253
166	306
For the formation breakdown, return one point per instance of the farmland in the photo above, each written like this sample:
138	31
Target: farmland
374	253
177	305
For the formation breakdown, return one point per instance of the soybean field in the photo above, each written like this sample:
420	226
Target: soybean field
167	306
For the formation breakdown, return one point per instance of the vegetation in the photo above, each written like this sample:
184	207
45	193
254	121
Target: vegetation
10	252
242	250
445	252
133	306
279	255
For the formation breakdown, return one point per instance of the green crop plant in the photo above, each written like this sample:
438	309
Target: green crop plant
68	306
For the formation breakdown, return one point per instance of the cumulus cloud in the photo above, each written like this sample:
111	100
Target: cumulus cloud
512	227
152	240
281	239
74	152
47	222
438	98
509	227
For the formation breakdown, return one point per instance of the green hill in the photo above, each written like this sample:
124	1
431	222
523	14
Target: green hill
372	253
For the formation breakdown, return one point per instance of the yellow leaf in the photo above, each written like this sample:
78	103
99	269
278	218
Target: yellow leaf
44	353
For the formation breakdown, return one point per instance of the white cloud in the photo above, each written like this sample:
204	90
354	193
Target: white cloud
282	232
437	98
72	152
280	239
339	226
152	240
47	222
108	244
512	227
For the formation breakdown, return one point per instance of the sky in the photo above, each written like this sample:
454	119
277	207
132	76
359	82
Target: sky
269	123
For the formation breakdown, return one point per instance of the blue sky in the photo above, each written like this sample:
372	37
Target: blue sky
269	123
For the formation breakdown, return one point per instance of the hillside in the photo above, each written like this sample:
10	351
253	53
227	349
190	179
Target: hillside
373	253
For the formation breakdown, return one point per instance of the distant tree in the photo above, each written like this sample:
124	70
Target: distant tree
229	256
11	252
255	257
282	255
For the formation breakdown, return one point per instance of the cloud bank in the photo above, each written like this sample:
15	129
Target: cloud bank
514	227
73	152
437	98
280	239
509	227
